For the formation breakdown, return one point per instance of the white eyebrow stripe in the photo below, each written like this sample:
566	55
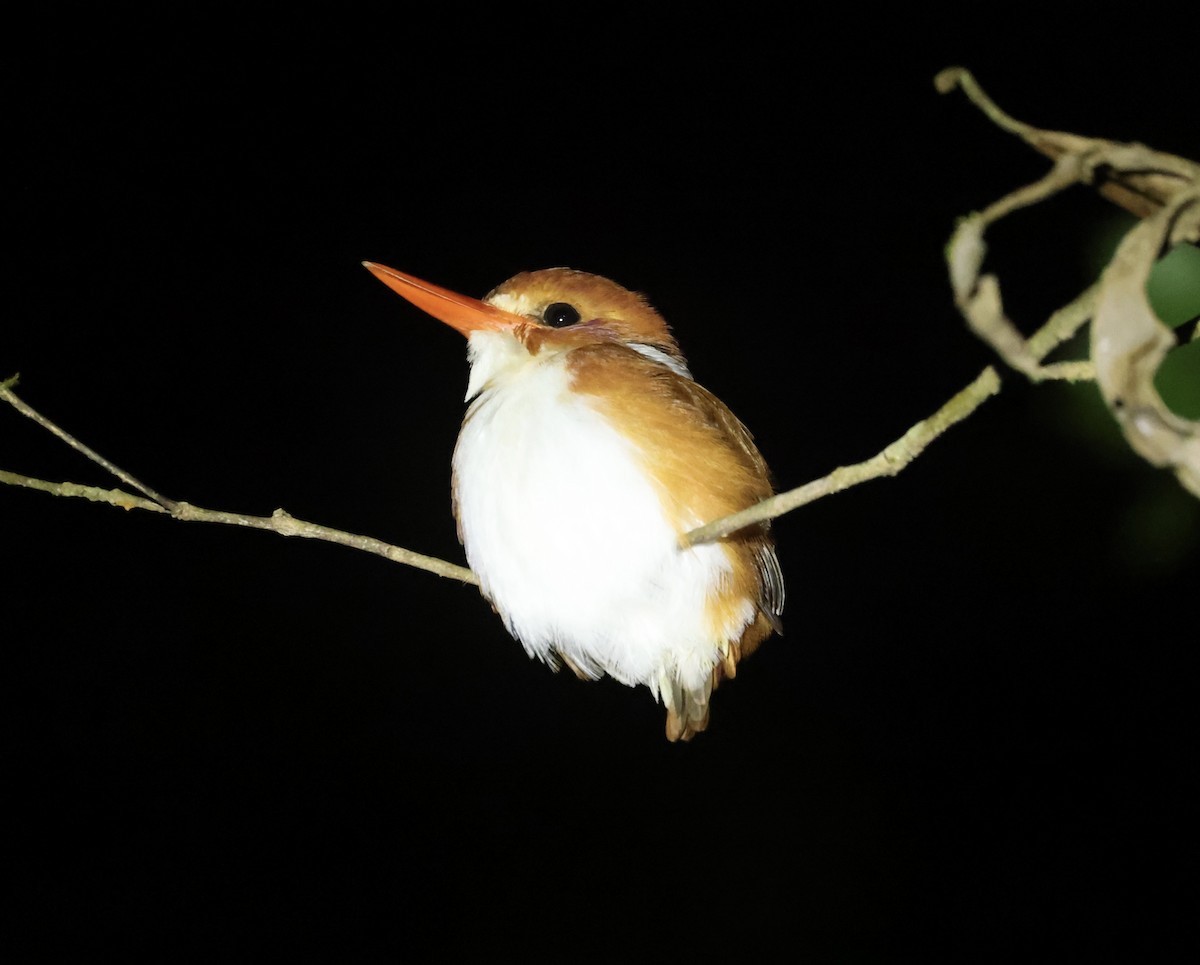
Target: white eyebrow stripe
658	355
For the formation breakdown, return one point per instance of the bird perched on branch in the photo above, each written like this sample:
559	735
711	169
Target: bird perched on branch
587	452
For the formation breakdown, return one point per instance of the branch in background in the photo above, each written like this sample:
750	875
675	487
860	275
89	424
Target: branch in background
1140	190
1128	341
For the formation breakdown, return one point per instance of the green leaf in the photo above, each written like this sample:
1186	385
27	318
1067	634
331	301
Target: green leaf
1174	285
1178	380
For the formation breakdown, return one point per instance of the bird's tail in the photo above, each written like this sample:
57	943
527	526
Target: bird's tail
687	709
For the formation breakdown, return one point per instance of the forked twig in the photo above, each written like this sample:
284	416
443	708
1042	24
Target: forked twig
280	521
1128	340
887	463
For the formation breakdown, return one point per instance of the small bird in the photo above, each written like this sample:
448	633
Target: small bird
587	451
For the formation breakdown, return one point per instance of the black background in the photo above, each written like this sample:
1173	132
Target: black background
977	726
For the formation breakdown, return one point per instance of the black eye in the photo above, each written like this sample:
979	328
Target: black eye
560	314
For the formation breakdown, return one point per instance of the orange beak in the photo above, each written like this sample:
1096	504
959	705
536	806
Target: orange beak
460	312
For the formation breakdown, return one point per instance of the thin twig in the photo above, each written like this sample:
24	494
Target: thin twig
280	521
1062	325
114	497
887	463
952	77
978	296
1141	187
9	396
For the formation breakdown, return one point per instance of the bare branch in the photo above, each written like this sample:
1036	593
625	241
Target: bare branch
280	521
1128	341
978	296
114	497
1140	188
887	463
7	394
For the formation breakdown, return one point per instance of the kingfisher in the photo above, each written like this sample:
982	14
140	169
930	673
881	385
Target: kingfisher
586	453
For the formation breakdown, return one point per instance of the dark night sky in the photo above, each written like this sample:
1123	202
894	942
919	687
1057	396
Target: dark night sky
216	740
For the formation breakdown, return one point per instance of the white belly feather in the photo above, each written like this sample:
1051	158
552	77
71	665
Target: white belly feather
568	536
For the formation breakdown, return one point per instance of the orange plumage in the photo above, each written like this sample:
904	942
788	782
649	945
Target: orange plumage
587	452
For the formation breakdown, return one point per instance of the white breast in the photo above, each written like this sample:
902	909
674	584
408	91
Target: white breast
567	533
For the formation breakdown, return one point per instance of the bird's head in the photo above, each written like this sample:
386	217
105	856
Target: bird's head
538	314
